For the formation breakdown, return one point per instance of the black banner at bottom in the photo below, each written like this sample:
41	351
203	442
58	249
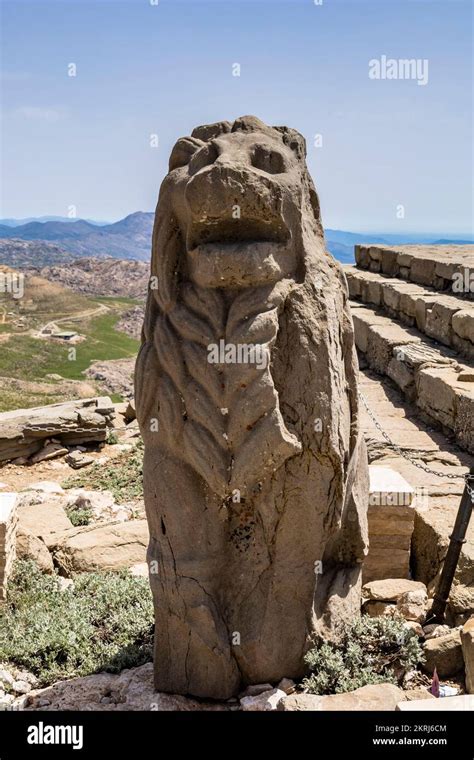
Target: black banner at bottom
127	734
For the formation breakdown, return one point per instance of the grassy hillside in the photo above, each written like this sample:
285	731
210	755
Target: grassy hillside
40	302
26	360
27	357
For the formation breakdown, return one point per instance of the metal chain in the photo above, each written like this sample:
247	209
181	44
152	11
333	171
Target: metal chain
469	488
64	430
392	444
409	457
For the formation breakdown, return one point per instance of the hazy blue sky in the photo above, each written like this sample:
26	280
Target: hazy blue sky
162	69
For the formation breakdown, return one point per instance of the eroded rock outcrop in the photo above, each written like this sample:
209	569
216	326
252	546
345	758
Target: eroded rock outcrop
255	474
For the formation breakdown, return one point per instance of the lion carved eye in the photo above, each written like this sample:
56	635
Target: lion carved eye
267	160
203	157
183	151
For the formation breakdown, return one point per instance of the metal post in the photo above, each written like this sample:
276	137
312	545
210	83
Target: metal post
457	539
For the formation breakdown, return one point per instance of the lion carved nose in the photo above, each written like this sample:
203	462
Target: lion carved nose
213	154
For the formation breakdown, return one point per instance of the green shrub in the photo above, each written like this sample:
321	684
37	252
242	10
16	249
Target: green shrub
103	622
79	515
112	437
369	651
122	475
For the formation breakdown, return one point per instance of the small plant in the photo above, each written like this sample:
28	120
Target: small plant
112	437
369	651
122	476
103	622
79	515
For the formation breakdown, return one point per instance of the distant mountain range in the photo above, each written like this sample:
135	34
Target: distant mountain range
26	220
56	240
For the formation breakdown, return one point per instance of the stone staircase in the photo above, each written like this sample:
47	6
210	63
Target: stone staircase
414	327
415	340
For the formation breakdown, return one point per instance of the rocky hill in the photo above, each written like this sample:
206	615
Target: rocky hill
18	253
102	277
129	238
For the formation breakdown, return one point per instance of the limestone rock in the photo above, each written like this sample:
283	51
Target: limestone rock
412	605
23	431
50	451
254	689
467	640
433	527
379	609
29	546
383	696
8	532
445	654
287	685
46	487
105	547
391	589
77	460
417	694
43	519
391	520
459	703
434	630
263	702
130	690
247	366
414	626
140	570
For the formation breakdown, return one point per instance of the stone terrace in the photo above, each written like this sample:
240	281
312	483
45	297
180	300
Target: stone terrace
414	324
415	338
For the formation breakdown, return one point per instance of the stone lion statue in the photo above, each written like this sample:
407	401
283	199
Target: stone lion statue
255	473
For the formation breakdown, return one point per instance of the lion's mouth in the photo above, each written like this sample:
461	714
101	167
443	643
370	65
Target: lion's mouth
234	234
239	253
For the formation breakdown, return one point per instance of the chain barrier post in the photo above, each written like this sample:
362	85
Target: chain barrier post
458	536
457	539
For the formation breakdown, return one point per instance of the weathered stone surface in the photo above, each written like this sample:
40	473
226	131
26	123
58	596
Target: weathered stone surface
412	605
467	641
463	324
246	482
77	460
389	488
50	451
8	530
433	528
100	503
455	704
106	547
263	702
418	694
434	265
379	609
445	654
390	590
43	519
23	431
131	690
391	520
433	630
383	696
29	546
430	378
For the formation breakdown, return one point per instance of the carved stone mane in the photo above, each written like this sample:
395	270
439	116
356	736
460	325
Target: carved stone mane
232	430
